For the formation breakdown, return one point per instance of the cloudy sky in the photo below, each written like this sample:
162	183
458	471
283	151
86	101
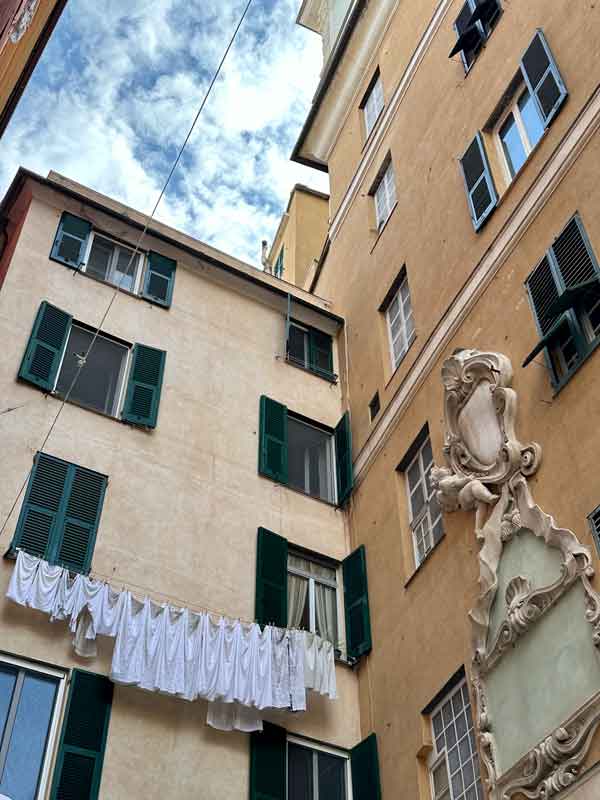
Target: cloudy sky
119	83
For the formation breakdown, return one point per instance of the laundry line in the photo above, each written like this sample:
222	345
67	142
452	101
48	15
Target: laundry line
240	668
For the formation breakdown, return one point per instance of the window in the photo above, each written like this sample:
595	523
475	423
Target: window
61	512
454	767
312	596
384	193
100	382
564	292
425	513
311	460
78	247
400	323
310	349
519	131
299	590
473	26
316	773
374	406
304	455
594	523
30	699
114	263
116	378
373	103
278	268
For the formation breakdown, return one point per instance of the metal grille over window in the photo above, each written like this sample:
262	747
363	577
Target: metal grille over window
401	326
426	515
455	769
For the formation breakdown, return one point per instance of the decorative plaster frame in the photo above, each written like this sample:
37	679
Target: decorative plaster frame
23	20
487	472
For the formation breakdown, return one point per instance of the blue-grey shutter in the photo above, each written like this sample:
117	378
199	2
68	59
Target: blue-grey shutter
71	240
46	346
43	505
364	762
343	458
75	541
144	386
573	254
481	192
542	77
80	757
160	279
356	604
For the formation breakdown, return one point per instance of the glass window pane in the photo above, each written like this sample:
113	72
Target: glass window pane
69	248
100	257
427	454
532	121
8	679
437	723
98	382
309	460
332	777
417	501
297	345
414	474
300	773
440	778
512	145
124	275
28	737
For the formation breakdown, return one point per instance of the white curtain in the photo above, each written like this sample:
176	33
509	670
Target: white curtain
297	591
326	613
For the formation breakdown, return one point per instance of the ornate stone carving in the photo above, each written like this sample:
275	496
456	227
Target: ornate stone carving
23	20
487	472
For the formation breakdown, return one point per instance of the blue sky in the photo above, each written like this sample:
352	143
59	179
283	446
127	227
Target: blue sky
119	83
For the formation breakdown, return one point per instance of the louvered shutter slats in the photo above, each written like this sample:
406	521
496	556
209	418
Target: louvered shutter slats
544	294
160	278
144	386
575	260
543	78
46	346
268	763
43	501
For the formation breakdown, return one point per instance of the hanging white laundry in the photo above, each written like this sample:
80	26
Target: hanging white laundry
238	667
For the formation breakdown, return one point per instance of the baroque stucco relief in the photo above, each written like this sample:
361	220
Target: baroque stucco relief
487	473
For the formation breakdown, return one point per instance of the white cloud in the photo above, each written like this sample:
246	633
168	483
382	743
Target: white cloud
119	84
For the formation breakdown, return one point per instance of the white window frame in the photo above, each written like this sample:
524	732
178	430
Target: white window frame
335	584
123	373
514	109
424	516
373	105
384	195
317	747
139	266
404	315
436	757
53	732
332	458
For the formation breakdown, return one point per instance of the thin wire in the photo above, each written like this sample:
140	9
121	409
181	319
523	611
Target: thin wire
82	361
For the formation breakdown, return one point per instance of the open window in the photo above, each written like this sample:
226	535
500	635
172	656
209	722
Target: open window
473	26
310	349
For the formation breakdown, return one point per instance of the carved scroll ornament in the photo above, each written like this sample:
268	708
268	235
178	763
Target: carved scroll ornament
487	473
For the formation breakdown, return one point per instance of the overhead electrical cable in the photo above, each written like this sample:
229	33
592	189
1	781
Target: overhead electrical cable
82	360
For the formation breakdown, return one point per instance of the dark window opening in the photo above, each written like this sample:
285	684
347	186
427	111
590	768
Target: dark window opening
310	460
315	774
374	406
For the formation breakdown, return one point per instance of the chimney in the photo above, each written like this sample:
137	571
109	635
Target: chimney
263	258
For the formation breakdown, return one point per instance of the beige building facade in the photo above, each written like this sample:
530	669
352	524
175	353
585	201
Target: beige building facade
463	252
174	488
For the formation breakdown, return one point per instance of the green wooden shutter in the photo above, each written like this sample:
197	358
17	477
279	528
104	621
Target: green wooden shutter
356	603
343	459
78	769
46	346
77	537
144	386
71	240
273	456
364	762
268	763
160	279
481	192
271	579
542	77
321	353
43	505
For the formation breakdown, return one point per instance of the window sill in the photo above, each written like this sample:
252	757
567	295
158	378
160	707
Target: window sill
329	503
383	227
333	379
402	360
418	569
104	414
